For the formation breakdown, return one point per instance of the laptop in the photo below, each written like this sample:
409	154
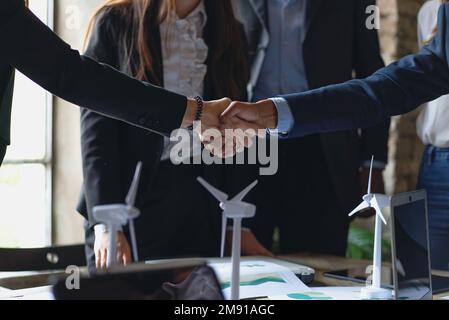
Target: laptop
177	280
412	274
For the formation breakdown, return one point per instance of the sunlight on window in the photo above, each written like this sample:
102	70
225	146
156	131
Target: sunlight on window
28	132
22	198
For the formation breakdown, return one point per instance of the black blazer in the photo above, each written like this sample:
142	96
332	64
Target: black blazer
32	48
337	45
6	92
111	148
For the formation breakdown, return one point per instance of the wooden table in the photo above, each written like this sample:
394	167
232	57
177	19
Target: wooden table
320	263
323	264
31	279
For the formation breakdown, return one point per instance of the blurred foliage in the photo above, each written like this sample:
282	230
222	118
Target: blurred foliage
361	244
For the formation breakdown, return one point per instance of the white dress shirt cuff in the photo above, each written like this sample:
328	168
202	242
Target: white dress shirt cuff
285	117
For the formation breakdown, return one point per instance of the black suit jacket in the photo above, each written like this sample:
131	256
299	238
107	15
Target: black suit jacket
111	148
337	45
32	48
6	93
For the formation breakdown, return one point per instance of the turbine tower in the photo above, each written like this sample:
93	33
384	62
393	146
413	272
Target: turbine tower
377	202
236	210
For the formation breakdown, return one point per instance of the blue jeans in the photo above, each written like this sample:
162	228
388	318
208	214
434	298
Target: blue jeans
434	178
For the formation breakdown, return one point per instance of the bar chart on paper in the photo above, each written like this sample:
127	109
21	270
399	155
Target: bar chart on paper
322	293
259	279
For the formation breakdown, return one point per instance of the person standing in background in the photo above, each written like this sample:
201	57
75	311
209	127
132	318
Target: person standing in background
193	48
433	130
294	46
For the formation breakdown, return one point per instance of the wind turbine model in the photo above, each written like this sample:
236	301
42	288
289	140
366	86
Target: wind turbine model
115	216
377	202
234	209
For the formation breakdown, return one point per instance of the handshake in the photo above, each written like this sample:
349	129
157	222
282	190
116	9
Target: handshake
227	127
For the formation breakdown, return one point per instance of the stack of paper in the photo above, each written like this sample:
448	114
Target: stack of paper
259	279
262	279
4	291
323	293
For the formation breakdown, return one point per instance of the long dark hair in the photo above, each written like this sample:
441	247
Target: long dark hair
228	70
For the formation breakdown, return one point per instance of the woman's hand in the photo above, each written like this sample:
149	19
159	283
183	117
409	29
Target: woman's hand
208	128
101	249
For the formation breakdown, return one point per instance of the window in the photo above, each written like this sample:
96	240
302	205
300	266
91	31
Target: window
25	177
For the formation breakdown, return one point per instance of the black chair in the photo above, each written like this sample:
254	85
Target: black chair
40	259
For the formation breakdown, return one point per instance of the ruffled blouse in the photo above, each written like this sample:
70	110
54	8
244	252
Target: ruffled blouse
184	54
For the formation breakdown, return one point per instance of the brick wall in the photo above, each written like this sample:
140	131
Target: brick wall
398	38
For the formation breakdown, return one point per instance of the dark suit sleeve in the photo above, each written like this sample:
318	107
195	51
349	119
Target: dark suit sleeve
32	48
6	95
367	60
394	90
99	134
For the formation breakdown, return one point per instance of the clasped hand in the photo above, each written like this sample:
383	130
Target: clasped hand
227	127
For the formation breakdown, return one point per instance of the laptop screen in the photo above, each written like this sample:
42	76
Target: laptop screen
411	254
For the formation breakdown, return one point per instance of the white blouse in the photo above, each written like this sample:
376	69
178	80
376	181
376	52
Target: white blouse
433	122
184	55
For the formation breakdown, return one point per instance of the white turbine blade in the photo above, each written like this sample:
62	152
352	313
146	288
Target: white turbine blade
400	268
132	232
376	206
224	225
364	205
132	194
219	195
243	194
370	175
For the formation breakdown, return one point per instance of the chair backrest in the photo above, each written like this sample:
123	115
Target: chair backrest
39	259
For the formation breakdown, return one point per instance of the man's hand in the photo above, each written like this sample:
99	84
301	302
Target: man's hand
250	245
101	249
256	116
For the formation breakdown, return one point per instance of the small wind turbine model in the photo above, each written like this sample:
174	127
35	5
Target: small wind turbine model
234	209
115	216
377	202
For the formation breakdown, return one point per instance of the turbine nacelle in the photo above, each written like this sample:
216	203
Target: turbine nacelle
239	209
373	200
376	202
368	198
